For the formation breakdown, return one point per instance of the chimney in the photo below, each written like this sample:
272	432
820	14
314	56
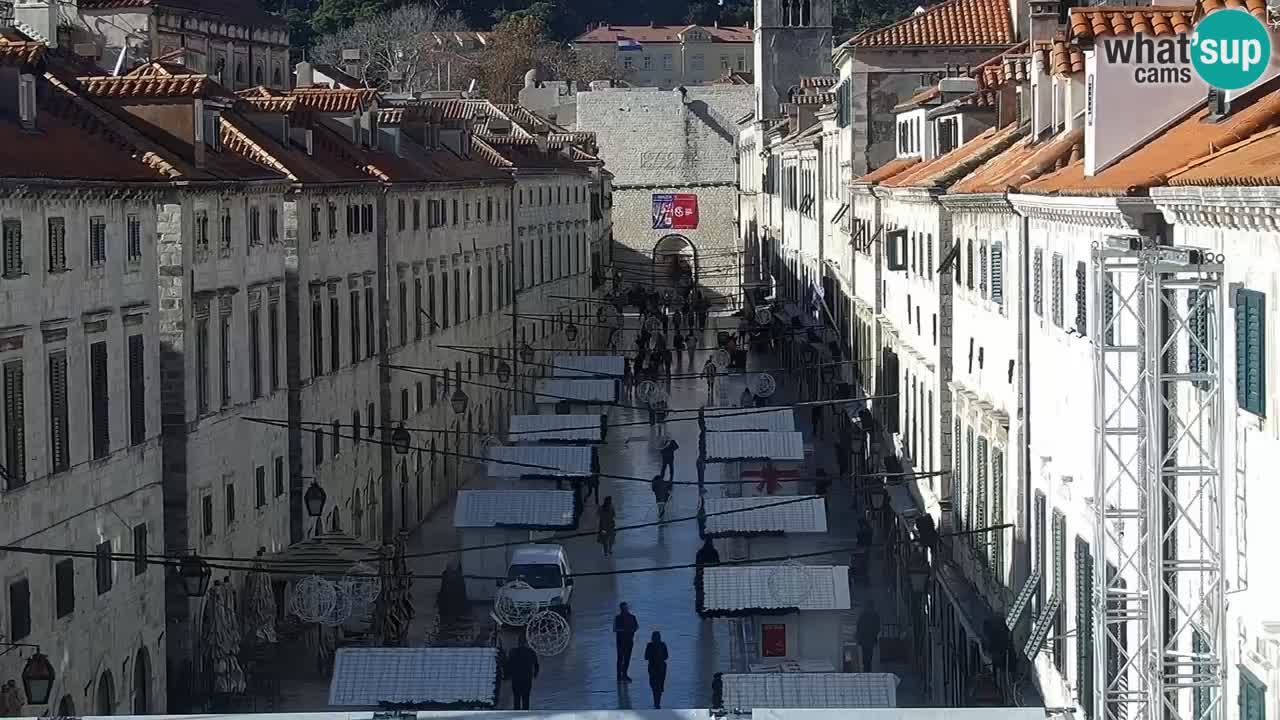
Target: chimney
651	23
305	77
41	17
1044	21
716	24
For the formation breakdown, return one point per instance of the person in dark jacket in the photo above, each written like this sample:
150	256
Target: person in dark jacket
707	554
868	634
608	526
669	449
625	627
655	653
522	668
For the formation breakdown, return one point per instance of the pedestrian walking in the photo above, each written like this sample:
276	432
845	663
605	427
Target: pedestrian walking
661	493
608	526
709	372
821	483
707	554
626	375
593	488
660	410
625	626
655	654
669	449
679	343
692	344
842	456
522	668
666	363
748	398
868	634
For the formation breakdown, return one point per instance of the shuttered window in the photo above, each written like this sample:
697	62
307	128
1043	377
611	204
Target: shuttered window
403	297
969	476
259	486
417	308
224	347
133	239
255	353
19	610
58	441
1251	353
1060	589
1084	626
997	273
104	567
335	332
317	336
1082	301
202	365
97	240
1038	551
317	436
140	549
15	418
983	271
64	588
1055	288
12	239
980	501
431	304
971	266
354	301
230	495
1109	310
370	340
1253	698
137	390
997	542
99	400
957	478
1203	673
57	244
1037	281
278	472
1198	339
273	345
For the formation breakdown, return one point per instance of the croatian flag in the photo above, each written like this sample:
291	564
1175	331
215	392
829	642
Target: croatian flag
627	44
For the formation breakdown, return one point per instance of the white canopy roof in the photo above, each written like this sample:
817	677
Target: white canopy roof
744	692
588	366
776	446
514	508
539	461
758	587
550	391
564	428
367	676
736	420
774	514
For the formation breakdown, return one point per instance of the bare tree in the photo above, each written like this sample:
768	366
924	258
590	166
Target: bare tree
519	44
397	50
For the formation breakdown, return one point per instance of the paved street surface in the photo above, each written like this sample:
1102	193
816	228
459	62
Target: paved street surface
582	678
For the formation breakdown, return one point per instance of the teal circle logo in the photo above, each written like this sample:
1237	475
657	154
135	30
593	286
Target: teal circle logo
1230	49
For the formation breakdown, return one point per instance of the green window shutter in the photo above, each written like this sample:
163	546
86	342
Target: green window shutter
980	499
1199	696
1198	323
1109	309
1253	699
957	480
1084	627
997	512
1251	335
997	273
968	479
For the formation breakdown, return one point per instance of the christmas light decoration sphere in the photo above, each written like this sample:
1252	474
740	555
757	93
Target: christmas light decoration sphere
721	359
763	385
342	608
363	584
645	390
510	610
763	316
312	599
790	583
548	633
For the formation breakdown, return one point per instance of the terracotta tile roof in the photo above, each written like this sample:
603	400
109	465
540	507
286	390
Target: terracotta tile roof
1256	8
953	23
338	75
944	170
1255	161
245	12
1061	57
662	33
20	52
819	81
124	86
736	77
328	100
888	170
239	138
489	153
1023	162
397	115
73	144
814	99
1185	141
1156	20
926	95
530	121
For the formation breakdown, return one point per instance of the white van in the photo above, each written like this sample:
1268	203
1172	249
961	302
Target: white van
545	568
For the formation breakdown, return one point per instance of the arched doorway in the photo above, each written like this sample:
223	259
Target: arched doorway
142	682
675	263
106	694
66	707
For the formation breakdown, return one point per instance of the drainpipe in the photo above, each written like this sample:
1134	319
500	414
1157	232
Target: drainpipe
515	306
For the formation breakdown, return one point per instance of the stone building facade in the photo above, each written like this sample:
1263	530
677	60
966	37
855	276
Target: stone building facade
259	264
80	381
660	142
669	56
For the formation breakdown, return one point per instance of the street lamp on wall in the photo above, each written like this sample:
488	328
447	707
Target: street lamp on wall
459	401
526	353
571	332
401	440
504	371
314	499
919	576
877	497
195	574
37	679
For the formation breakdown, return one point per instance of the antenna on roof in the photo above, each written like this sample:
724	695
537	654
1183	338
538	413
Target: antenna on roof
919	10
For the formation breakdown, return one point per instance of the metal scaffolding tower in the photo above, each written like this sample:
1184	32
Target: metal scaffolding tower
1158	636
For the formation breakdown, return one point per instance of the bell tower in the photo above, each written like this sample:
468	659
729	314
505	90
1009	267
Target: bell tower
792	40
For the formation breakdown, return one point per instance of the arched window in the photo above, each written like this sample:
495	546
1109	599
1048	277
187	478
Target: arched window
257	75
806	8
142	682
106	694
275	77
240	76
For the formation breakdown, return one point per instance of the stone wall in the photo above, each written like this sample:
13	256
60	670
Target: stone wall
658	141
